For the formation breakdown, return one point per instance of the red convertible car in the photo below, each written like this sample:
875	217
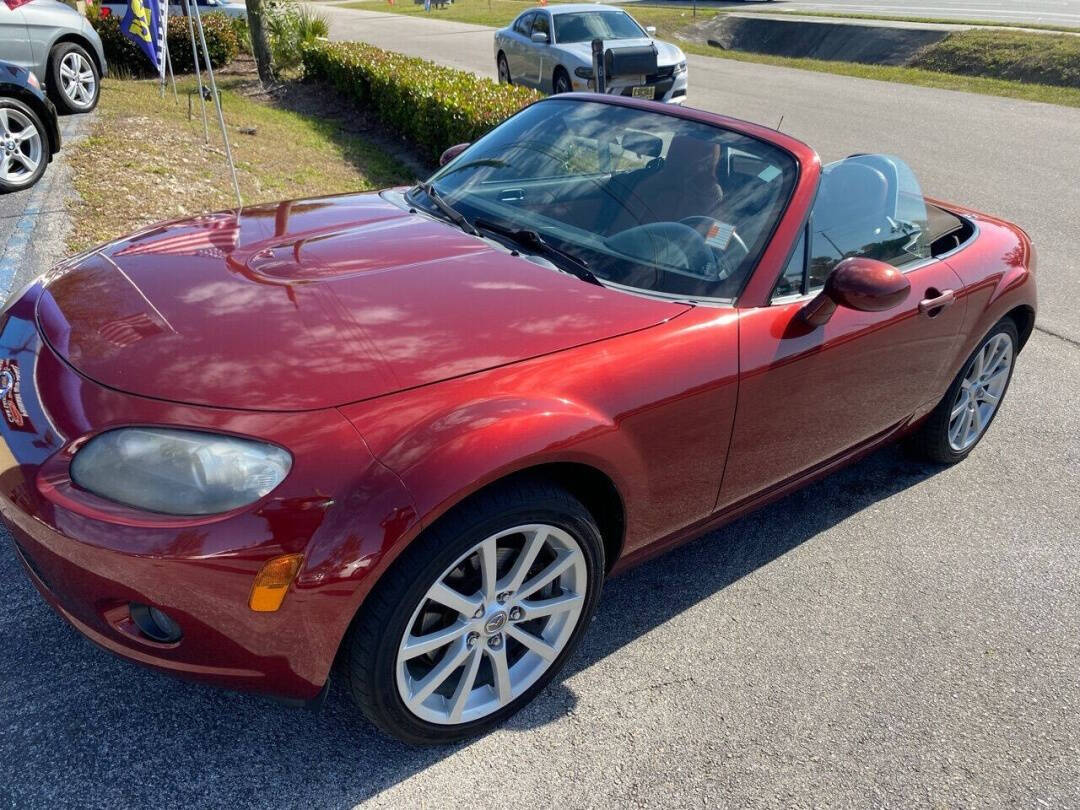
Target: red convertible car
413	431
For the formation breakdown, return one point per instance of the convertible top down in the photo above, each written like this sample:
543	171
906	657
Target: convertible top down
414	431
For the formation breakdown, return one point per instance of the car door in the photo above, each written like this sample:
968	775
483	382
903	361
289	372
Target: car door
516	46
808	395
15	38
538	64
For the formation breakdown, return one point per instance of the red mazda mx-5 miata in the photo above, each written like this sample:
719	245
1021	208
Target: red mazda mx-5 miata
414	431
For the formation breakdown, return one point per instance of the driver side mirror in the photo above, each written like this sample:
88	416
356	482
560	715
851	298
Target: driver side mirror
452	153
539	36
650	30
858	283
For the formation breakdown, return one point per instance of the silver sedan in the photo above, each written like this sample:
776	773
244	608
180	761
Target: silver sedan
550	48
59	45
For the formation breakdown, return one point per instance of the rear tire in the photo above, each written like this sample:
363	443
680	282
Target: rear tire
504	70
74	80
483	657
961	419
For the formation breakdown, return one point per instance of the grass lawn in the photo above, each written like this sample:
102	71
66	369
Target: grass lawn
670	20
145	161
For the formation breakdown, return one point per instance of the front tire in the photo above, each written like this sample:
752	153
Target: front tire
477	615
560	82
74	81
964	414
504	70
24	146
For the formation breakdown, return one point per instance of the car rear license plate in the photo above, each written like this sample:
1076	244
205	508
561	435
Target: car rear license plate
643	92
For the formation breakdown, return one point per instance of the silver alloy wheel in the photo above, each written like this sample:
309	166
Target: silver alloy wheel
980	392
492	624
21	147
77	79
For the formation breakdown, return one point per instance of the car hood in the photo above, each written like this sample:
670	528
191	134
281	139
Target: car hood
315	303
666	53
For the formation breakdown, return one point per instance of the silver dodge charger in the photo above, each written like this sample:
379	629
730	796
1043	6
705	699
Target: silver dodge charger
550	48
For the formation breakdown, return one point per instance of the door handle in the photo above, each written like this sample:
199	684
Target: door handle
932	306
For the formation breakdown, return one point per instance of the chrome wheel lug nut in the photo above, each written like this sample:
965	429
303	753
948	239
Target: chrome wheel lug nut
479	613
516	613
495	641
502	597
471	639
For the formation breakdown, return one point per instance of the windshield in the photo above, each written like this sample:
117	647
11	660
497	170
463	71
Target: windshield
585	26
648	201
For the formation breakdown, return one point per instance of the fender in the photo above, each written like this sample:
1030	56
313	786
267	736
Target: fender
610	410
997	269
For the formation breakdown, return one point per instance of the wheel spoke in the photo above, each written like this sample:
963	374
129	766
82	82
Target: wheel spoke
439	673
488	565
560	564
5	123
547	607
525	560
501	670
534	643
977	369
961	406
419	645
5	167
990	398
465	685
28	163
455	600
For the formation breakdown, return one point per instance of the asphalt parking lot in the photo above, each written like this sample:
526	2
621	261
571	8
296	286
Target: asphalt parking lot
896	635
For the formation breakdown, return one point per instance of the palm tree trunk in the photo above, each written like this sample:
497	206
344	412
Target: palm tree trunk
260	45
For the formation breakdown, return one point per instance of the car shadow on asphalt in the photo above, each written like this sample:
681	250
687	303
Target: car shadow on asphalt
82	727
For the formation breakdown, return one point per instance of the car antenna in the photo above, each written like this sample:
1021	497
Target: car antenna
778	123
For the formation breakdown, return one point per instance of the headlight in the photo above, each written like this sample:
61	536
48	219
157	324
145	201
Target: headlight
681	67
583	72
178	472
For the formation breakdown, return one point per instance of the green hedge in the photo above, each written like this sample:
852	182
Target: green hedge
125	57
432	106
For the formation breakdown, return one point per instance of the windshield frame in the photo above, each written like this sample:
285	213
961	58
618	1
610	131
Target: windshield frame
792	210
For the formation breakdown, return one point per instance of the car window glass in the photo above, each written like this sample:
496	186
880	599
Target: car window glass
585	26
523	24
540	25
641	196
867	205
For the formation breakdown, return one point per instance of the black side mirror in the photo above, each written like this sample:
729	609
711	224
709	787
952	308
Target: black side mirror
452	153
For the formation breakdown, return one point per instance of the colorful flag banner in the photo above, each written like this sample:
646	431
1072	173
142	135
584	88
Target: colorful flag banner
144	24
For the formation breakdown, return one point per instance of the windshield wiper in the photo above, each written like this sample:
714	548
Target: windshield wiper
448	210
535	243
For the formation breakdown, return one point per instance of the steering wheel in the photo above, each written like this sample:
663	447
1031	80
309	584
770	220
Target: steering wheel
727	260
675	244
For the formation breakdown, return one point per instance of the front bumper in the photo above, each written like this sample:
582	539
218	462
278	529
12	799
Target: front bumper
91	559
667	86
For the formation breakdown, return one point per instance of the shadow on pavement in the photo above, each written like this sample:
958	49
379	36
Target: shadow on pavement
81	727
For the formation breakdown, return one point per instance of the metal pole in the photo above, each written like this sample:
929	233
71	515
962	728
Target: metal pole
217	103
168	61
198	73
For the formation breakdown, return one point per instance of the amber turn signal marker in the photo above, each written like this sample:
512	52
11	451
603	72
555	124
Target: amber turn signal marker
272	582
